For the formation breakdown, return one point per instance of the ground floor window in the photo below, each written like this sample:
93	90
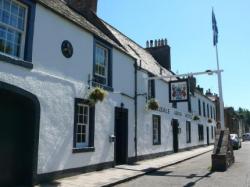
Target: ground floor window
83	125
156	130
188	131
212	132
201	132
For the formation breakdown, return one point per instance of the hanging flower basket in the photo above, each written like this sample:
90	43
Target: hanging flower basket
97	94
195	118
153	104
209	120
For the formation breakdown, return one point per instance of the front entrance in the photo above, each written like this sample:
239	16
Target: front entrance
121	134
207	135
175	126
17	139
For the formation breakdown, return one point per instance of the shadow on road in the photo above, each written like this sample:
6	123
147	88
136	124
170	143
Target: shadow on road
191	176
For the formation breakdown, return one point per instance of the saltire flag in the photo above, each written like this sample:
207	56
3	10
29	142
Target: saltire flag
215	29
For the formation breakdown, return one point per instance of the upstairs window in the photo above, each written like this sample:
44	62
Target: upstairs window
151	88
174	105
199	106
207	110
102	65
204	109
13	17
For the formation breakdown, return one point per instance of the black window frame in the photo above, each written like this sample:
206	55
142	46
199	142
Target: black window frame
212	132
174	104
211	112
208	114
201	132
199	106
188	131
97	80
91	130
159	129
204	109
151	87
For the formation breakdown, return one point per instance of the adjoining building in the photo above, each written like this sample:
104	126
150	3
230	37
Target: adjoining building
53	54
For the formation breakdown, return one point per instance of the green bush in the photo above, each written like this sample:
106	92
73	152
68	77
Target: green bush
196	118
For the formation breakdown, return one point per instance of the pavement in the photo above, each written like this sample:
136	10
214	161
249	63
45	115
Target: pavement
123	173
197	172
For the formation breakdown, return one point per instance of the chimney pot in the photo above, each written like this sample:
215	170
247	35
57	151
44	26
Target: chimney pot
147	44
162	42
155	43
159	43
166	42
151	43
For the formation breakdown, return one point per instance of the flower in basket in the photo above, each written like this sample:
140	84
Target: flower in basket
196	118
97	94
153	104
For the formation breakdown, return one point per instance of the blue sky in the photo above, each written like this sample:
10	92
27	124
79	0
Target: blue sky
187	27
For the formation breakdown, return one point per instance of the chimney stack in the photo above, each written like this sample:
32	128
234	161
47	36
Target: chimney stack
160	50
83	5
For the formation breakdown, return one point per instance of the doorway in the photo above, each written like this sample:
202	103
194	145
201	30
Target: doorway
121	134
208	136
18	122
175	126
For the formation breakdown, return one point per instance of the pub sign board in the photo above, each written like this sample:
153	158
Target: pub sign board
179	91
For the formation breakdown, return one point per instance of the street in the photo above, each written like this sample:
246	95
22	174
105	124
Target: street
196	172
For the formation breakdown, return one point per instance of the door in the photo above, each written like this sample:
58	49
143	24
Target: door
121	134
207	135
175	126
16	139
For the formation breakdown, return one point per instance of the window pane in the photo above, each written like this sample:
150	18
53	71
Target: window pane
79	129
79	138
80	118
6	5
21	12
14	8
6	17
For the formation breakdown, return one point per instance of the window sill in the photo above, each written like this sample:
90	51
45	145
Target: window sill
83	150
15	61
108	88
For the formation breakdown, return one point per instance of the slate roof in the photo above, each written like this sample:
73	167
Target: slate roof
103	30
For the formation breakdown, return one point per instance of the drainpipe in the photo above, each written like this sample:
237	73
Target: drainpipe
135	102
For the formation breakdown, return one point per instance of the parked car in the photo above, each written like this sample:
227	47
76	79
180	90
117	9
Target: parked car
235	140
246	137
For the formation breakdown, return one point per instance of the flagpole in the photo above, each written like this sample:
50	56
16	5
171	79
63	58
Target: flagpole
222	122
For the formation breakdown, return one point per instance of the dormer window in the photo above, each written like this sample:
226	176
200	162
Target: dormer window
13	17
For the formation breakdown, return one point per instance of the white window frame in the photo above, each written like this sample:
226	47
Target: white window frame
85	143
106	62
23	32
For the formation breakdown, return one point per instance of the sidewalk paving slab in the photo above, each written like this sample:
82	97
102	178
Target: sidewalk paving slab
123	173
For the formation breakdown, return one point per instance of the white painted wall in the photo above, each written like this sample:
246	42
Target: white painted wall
145	143
57	81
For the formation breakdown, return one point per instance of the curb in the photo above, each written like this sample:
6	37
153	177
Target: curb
150	170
